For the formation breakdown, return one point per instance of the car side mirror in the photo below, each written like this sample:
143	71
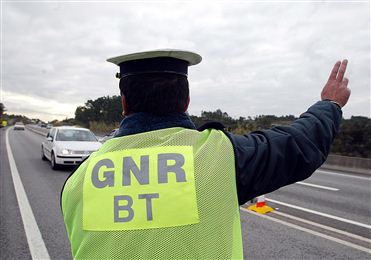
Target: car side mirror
49	138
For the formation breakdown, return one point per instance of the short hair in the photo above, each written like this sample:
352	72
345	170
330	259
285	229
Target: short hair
156	93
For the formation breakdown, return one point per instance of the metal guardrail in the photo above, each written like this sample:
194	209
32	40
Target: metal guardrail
349	164
357	162
37	131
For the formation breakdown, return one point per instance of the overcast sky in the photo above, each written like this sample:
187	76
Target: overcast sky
258	58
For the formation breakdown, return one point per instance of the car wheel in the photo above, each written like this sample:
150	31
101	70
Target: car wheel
54	165
42	154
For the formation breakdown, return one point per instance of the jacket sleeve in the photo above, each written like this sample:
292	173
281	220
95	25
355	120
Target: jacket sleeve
269	159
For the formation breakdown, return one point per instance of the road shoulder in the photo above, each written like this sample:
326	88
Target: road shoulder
13	240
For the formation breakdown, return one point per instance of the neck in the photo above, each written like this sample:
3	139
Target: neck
140	122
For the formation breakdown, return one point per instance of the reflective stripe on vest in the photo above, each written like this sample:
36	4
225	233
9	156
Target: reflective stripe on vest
163	194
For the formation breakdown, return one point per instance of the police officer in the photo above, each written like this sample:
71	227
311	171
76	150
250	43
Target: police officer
166	190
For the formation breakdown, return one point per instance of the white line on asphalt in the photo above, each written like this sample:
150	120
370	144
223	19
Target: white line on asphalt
323	226
343	242
317	186
344	175
321	213
34	238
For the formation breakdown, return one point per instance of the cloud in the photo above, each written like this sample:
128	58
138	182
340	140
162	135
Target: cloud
33	106
258	58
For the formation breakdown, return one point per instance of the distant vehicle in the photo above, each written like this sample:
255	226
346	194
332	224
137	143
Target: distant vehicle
65	145
110	135
19	126
43	125
49	126
4	123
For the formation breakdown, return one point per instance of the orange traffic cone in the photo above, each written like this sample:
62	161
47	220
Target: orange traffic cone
260	206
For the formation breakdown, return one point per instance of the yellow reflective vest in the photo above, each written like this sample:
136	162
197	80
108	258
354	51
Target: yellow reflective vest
165	194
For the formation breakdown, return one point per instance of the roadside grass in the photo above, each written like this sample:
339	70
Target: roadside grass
102	128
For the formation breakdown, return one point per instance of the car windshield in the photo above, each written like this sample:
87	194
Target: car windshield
19	123
75	135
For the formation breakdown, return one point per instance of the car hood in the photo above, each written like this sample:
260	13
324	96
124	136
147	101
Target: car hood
78	146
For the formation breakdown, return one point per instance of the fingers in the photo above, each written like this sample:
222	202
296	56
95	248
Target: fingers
345	82
342	69
335	70
336	89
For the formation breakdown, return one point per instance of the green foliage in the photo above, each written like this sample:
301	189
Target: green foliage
2	109
219	116
354	138
241	125
67	121
104	109
12	119
102	128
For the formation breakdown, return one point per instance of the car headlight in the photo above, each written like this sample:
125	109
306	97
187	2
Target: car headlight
66	151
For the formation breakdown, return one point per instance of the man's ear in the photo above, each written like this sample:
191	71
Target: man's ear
125	107
187	104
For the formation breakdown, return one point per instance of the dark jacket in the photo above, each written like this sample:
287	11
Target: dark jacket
269	159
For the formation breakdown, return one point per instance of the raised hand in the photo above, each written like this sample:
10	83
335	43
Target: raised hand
336	88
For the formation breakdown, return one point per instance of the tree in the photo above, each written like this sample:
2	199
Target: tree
2	109
354	137
104	109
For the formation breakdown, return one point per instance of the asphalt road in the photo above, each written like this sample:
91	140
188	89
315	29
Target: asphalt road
287	233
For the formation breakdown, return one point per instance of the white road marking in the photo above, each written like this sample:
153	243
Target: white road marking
35	242
321	213
345	175
346	243
323	226
317	186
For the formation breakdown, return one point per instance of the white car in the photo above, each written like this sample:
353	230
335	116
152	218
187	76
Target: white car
68	145
19	126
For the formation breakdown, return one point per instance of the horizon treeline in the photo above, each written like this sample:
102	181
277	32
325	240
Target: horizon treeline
104	114
353	139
